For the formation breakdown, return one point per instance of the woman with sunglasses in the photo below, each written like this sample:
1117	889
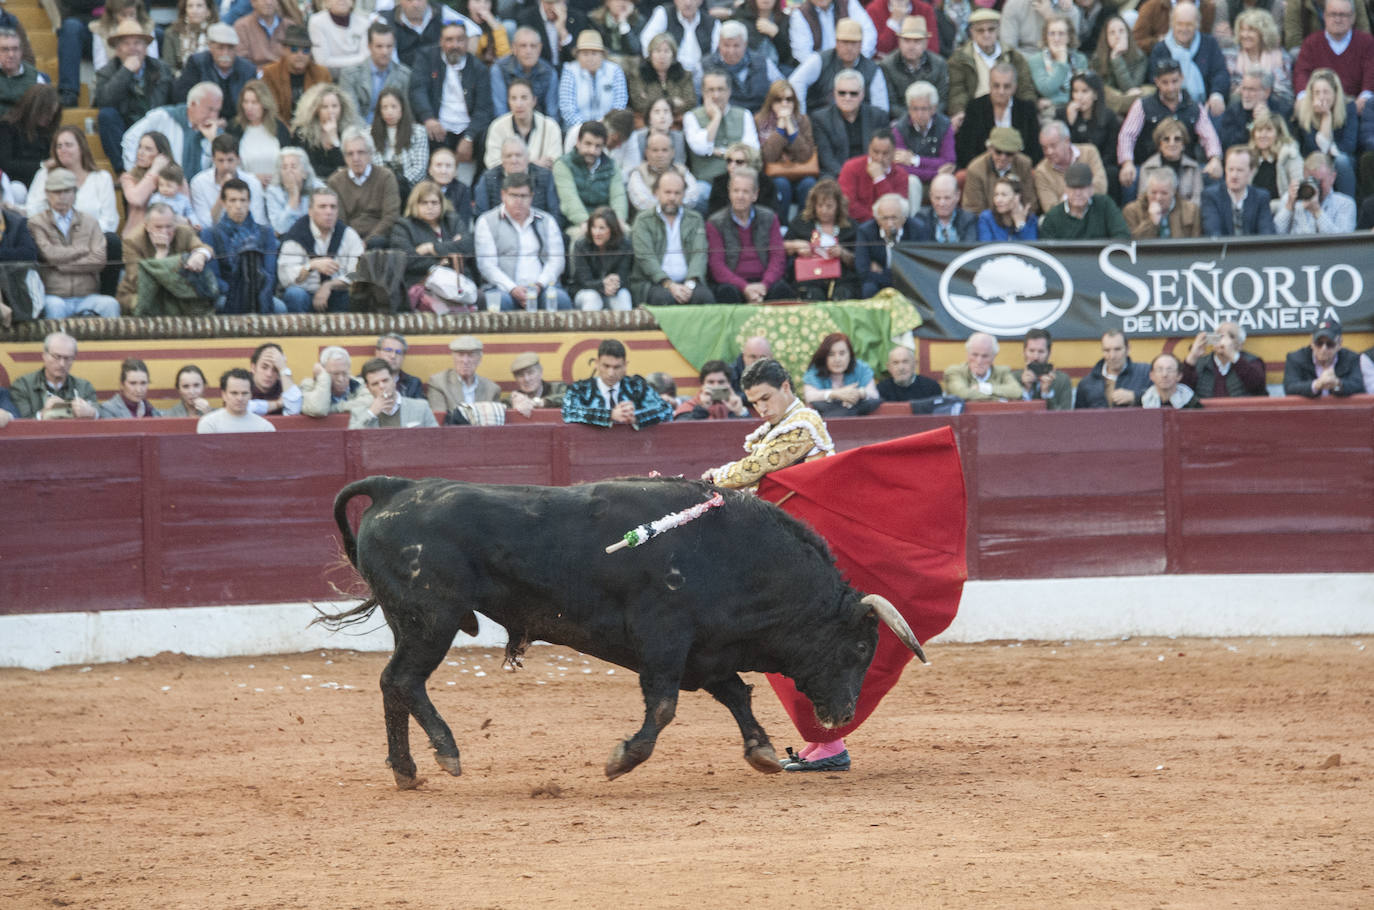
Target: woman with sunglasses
787	147
1171	138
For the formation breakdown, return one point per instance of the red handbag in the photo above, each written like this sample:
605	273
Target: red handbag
816	268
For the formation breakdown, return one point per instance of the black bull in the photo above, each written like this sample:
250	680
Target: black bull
743	588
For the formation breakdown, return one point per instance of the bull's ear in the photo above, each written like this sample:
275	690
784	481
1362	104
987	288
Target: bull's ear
883	609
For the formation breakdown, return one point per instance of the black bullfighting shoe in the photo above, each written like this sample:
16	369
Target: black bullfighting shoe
837	762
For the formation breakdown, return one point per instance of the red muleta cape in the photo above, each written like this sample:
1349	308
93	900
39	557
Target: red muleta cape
895	517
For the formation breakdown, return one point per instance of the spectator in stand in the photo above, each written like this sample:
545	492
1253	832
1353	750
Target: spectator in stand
94	186
823	229
323	116
970	64
206	198
1120	67
1009	218
338	35
661	75
601	264
1165	390
520	251
245	260
520	120
1199	56
786	146
437	236
366	81
1279	163
1171	100
611	397
392	348
26	132
173	192
260	132
381	404
515	159
1254	98
747	259
1324	368
1160	212
658	159
1258	50
1059	153
1024	21
1312	206
841	129
262	35
295	73
273	390
332	389
556	24
219	65
586	178
161	238
944	220
288	196
738	155
814	23
1324	121
693	31
189	128
924	136
71	254
131	401
129	86
75	39
814	79
139	183
450	93
540	77
1092	122
461	384
51	392
1304	18
236	390
190	387
1054	66
17	72
1171	138
863	180
1235	208
716	400
1004	157
531	390
417	24
999	105
188	34
401	143
660	120
892	224
492	41
716	125
903	383
1040	381
1227	371
836	383
1155	17
670	250
1344	49
1084	214
1115	381
318	253
768	25
751	74
914	62
369	199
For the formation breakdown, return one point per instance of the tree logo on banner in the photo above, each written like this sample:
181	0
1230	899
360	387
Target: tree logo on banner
1005	289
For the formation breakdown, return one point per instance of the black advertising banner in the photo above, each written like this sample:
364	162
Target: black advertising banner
1269	285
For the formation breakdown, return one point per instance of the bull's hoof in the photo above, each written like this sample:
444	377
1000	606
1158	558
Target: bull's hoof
620	762
763	758
407	781
449	763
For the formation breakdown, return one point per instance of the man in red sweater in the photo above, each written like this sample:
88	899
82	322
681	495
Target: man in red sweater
865	179
747	260
1340	47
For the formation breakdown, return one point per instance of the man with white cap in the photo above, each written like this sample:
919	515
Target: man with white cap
461	384
970	64
531	389
913	62
811	26
591	86
814	79
71	253
129	85
219	63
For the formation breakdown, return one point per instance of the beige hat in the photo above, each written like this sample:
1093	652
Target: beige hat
848	30
984	15
523	362
914	27
129	28
589	39
1005	139
220	33
465	343
59	178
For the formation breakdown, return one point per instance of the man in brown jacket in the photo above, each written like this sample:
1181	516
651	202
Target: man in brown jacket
261	34
1004	156
71	253
369	201
1158	212
295	72
160	237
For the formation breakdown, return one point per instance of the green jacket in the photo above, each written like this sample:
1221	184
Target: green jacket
1102	221
649	238
30	391
580	191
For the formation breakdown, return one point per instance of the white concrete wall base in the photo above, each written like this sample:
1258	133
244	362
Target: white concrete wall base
1041	609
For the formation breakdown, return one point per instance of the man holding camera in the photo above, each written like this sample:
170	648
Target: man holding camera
1312	205
1226	371
1040	380
716	400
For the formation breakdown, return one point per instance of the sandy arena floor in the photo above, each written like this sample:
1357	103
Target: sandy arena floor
1140	773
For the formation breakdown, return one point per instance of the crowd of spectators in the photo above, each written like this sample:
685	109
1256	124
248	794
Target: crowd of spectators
607	155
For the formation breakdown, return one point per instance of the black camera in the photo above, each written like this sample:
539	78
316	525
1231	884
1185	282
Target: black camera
1308	189
1040	367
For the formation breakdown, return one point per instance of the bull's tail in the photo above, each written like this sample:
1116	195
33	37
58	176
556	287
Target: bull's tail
336	621
377	488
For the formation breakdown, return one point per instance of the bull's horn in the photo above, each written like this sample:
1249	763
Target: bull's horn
889	615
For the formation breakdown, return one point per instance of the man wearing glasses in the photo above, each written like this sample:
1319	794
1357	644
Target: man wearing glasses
842	129
1340	47
815	77
53	392
295	72
1322	369
520	252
